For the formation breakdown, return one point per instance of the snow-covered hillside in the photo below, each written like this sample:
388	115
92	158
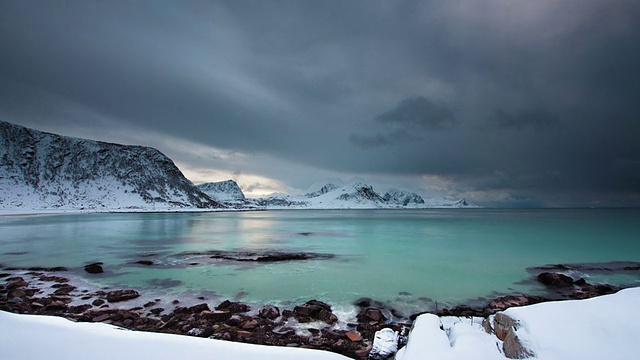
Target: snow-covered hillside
357	196
40	170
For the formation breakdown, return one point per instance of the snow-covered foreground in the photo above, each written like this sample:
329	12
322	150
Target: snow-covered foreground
28	337
599	328
604	327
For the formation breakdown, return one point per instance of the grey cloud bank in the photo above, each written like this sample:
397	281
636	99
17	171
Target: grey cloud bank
510	103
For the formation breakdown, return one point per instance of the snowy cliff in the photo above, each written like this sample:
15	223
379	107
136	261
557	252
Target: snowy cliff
226	192
40	170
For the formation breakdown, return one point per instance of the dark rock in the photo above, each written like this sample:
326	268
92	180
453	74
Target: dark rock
555	279
250	324
149	304
233	307
286	314
15	283
199	308
314	310
121	295
363	302
64	290
216	316
51	269
56	306
20	293
101	318
79	309
94	268
505	302
156	311
97	302
57	279
371	314
263	256
144	262
269	312
461	311
580	282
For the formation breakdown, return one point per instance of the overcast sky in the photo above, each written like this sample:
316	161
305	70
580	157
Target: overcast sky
504	102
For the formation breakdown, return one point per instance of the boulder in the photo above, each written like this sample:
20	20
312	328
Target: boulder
65	289
371	314
314	310
217	315
249	324
94	268
269	312
502	324
555	279
486	325
233	307
15	283
121	295
513	348
505	329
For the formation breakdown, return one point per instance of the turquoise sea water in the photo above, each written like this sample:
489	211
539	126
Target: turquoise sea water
410	258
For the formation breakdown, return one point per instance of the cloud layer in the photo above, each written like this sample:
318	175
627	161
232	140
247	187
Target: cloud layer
508	102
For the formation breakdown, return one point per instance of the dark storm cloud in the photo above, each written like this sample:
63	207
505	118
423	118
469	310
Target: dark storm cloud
533	100
407	122
419	113
537	119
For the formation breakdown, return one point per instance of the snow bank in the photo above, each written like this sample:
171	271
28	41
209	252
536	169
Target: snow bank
27	337
462	340
605	327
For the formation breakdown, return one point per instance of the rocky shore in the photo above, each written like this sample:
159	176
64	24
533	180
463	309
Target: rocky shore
310	325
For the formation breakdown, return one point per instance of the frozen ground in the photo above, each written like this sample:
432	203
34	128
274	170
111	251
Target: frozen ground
599	328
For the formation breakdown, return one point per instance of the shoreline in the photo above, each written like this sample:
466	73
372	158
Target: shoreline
312	325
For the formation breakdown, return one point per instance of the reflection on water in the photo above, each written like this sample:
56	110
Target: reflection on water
411	258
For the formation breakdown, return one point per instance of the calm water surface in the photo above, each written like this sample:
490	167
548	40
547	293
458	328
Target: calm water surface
405	257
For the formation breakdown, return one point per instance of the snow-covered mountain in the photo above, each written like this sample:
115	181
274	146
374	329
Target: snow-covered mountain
226	192
402	198
40	170
356	196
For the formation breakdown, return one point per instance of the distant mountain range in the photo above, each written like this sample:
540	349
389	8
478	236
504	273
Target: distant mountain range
43	171
353	196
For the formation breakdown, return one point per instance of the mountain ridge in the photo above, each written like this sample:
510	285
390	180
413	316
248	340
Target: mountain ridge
40	170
